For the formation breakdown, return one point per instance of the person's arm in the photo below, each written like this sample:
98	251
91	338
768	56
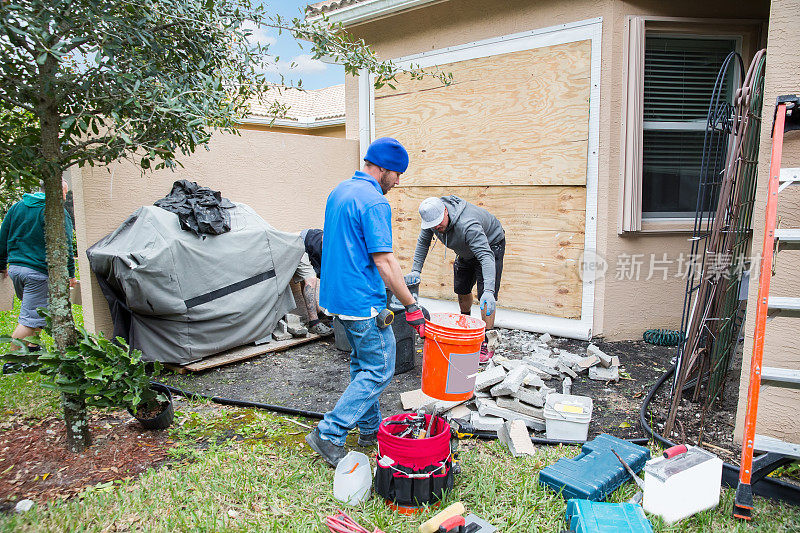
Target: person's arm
421	252
392	276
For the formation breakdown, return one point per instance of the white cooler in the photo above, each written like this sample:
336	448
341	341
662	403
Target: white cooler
683	485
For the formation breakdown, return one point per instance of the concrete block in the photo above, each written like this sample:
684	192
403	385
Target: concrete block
564	369
600	373
511	383
566	386
511	364
533	380
492	339
535	370
514	434
545	338
488	407
513	404
460	411
569	359
482	394
615	361
605	359
486	422
489	377
281	331
530	396
588	362
544	391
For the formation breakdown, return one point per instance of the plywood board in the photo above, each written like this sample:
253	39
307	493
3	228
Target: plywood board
512	119
242	353
6	293
544	239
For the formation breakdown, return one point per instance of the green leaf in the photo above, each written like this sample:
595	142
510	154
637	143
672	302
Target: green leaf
41	58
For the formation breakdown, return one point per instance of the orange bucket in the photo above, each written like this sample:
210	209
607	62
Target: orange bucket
450	355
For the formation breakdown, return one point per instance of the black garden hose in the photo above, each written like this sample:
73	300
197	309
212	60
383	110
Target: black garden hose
767	487
486	435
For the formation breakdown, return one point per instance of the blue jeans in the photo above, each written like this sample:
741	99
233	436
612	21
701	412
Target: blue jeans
31	288
371	369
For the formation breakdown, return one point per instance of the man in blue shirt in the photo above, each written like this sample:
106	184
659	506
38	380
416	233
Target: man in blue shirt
357	266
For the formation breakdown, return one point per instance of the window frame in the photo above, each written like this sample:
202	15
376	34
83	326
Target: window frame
749	36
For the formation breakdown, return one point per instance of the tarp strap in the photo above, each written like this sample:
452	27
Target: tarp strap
233	287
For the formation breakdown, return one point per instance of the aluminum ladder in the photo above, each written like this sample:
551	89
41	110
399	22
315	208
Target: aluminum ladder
779	453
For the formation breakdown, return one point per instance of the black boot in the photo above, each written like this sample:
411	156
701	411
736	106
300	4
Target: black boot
329	451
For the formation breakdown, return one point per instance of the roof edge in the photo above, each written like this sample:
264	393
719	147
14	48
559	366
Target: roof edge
284	123
370	10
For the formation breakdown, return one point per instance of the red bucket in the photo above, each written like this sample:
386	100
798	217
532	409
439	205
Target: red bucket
450	355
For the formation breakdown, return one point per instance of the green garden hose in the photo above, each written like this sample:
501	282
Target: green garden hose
663	337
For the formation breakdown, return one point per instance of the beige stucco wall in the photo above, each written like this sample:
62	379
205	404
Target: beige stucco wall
286	178
777	408
623	308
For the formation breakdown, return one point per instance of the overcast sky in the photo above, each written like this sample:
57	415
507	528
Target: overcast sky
314	73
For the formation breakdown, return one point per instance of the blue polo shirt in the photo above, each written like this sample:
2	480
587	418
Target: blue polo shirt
358	222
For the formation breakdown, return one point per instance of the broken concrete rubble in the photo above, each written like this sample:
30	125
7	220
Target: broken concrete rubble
588	362
600	373
513	404
566	370
415	400
530	396
486	423
566	386
533	380
545	338
489	377
511	383
488	407
605	359
515	435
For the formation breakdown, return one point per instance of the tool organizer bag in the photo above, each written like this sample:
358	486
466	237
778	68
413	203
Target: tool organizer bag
413	471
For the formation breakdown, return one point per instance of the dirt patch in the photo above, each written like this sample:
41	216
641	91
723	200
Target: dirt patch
313	376
35	463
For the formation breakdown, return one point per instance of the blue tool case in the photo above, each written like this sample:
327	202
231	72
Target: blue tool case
596	472
584	516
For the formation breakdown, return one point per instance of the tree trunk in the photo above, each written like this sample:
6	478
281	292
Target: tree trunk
63	326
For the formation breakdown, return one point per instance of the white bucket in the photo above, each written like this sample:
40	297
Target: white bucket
567	416
353	479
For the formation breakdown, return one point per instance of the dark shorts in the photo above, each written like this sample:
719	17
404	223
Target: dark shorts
466	272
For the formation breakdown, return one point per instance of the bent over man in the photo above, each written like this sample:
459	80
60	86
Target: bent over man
479	241
357	266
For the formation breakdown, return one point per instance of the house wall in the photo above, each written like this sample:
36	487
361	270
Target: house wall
623	308
286	178
337	131
777	408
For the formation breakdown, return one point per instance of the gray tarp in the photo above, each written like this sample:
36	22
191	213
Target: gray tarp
180	297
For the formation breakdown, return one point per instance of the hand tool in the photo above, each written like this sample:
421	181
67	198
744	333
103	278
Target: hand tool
636	498
453	524
675	450
432	525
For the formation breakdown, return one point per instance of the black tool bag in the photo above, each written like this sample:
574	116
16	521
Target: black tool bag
405	486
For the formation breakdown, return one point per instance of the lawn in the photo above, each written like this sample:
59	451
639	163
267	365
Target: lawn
245	470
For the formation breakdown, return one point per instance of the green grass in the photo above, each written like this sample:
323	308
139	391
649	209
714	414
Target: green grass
248	470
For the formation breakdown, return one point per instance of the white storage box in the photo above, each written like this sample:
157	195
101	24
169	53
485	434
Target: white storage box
567	416
683	485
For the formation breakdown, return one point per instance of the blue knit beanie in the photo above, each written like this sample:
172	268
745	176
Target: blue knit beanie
387	153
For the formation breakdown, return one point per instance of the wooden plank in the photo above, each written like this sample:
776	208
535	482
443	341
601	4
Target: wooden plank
544	240
6	294
511	119
242	353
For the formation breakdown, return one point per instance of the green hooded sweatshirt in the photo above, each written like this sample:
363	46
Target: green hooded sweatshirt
22	235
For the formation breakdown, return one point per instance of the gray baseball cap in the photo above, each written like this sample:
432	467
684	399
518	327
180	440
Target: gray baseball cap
431	210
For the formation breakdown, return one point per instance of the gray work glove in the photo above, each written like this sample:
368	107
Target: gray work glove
488	303
413	277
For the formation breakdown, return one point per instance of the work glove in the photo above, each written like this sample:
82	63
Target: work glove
413	277
488	303
415	317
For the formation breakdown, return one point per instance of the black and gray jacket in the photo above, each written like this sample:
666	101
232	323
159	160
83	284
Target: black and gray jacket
471	233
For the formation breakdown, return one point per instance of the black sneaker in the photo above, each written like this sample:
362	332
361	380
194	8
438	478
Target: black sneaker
367	440
329	451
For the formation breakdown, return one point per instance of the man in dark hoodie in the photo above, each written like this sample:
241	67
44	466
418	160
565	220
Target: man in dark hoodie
23	257
478	240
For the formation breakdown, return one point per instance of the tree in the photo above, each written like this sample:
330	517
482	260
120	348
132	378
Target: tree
146	80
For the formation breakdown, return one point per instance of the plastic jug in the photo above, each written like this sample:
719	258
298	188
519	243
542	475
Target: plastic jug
353	479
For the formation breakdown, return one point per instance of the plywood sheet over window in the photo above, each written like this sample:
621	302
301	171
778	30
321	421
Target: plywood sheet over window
510	135
513	119
544	239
